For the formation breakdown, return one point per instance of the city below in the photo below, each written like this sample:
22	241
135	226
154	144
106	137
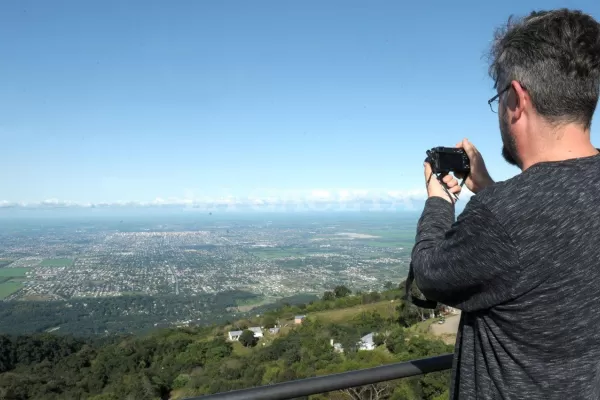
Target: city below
190	268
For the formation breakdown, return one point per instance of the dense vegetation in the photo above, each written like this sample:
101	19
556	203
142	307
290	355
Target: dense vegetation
124	314
178	363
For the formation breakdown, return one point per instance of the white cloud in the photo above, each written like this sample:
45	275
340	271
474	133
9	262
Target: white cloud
314	199
8	204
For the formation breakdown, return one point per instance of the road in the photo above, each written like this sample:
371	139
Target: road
447	330
174	280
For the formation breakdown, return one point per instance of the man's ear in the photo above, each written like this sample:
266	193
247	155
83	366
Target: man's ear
518	99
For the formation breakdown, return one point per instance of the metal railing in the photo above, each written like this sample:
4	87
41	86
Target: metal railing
329	383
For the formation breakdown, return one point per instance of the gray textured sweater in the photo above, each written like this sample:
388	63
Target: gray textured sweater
522	262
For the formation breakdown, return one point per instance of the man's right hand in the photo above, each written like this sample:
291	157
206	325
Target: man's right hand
479	178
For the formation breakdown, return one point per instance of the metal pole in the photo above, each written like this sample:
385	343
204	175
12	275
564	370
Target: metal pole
328	383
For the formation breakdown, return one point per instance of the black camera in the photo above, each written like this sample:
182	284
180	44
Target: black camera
448	159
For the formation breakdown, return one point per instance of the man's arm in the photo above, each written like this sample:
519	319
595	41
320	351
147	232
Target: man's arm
471	264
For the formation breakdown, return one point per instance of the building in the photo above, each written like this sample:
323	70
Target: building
337	347
366	342
258	333
298	319
274	331
235	335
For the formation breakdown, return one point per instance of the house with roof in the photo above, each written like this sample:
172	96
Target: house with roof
258	333
298	319
367	342
235	335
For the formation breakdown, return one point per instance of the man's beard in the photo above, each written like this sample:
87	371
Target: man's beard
509	148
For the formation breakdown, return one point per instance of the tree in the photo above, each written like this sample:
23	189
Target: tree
369	392
243	324
395	342
328	296
341	291
269	321
388	285
247	339
371	297
434	385
378	339
439	309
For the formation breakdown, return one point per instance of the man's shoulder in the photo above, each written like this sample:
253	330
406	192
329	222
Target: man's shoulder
501	190
509	195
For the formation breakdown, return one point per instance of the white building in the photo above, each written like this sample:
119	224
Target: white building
235	335
258	333
337	347
366	342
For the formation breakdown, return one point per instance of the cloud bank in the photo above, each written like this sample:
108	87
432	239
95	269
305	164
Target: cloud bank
315	200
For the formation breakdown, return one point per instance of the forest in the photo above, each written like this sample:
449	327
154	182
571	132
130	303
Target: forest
184	362
124	314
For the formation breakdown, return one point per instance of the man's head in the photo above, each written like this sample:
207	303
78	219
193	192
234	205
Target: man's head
546	69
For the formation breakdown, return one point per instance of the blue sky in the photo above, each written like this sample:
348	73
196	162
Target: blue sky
157	101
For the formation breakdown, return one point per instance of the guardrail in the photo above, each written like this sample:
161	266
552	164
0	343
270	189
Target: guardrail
329	383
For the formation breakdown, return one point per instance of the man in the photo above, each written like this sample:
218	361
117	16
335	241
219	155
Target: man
522	261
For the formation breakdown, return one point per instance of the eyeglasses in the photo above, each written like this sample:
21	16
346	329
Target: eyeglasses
493	102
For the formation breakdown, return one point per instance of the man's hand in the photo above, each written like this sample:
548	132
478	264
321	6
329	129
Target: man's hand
479	178
435	188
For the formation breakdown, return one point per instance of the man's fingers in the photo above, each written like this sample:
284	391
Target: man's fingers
447	178
469	148
455	189
427	170
450	181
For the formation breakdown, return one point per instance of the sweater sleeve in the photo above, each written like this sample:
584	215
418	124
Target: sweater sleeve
470	264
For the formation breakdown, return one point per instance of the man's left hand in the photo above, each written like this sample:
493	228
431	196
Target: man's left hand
435	188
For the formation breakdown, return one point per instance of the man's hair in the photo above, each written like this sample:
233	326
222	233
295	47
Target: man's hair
555	55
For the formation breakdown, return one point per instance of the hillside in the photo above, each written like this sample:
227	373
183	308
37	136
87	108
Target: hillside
178	363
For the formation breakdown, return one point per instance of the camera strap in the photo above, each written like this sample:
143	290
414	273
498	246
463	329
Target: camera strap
423	303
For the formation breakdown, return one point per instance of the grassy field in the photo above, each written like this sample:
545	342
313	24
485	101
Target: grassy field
56	262
245	305
13	272
397	234
250	302
423	327
8	288
385	308
393	238
240	350
402	237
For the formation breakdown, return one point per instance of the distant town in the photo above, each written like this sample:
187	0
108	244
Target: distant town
269	257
